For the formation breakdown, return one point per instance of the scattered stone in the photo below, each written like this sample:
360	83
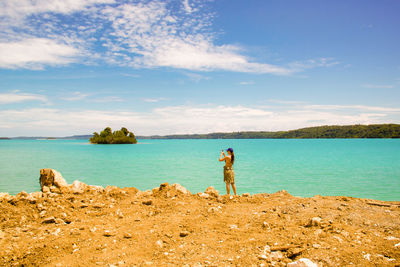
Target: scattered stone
267	249
397	245
5	196
338	238
98	206
22	194
159	243
147	202
391	238
59	221
108	233
266	225
184	233
119	214
49	220
45	189
316	245
262	257
367	257
233	226
246	195
203	195
276	256
181	189
163	185
316	221
303	262
212	191
127	235
78	187
214	209
96	188
55	189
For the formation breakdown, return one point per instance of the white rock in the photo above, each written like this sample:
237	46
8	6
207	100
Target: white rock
212	191
5	196
276	255
45	189
58	179
36	195
78	187
233	226
159	243
50	177
267	249
397	245
367	256
303	262
391	238
262	257
181	189
22	194
316	221
203	195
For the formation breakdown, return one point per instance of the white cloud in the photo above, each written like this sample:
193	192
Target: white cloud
15	97
187	6
246	83
378	86
75	96
22	8
299	66
353	107
34	53
179	119
154	100
149	34
106	99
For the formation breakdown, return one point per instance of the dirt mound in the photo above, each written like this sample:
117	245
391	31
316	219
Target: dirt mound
124	226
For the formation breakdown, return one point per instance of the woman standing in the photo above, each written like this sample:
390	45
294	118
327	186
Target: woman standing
229	174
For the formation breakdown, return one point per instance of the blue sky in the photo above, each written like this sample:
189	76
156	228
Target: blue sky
188	66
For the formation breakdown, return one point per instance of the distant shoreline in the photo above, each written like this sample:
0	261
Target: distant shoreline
373	131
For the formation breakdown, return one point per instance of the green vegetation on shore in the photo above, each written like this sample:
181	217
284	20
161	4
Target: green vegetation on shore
107	136
348	131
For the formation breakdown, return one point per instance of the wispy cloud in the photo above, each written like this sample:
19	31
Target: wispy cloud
246	83
196	76
378	86
16	97
179	119
143	34
154	100
75	96
106	99
34	53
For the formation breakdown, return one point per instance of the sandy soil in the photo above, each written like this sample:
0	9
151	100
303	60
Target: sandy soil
127	227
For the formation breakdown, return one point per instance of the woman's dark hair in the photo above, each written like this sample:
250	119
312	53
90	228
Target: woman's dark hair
233	155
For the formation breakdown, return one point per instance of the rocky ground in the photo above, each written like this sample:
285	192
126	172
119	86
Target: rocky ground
169	226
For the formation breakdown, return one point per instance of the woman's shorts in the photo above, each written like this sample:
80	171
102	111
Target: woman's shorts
229	175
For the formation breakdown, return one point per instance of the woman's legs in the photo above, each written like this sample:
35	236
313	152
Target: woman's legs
228	189
234	188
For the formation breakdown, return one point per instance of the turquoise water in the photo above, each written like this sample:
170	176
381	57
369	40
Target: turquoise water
352	167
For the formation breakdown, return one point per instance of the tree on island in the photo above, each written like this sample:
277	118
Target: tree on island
107	136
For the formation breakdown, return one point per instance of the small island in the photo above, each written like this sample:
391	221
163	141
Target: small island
107	136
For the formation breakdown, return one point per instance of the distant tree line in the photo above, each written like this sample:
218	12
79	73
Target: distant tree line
348	131
107	136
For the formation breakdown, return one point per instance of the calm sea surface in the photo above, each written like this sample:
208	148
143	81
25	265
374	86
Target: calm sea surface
351	167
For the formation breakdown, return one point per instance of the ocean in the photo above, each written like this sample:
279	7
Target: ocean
365	168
